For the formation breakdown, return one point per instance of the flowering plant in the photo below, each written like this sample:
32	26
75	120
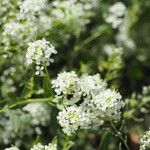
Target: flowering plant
74	74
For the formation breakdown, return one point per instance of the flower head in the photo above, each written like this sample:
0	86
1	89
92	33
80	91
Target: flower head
64	82
39	146
69	119
39	53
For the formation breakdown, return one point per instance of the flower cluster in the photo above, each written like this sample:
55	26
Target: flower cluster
64	82
7	81
39	146
39	53
14	123
93	102
72	13
23	123
15	31
116	14
8	10
69	119
145	141
29	9
25	23
27	19
39	112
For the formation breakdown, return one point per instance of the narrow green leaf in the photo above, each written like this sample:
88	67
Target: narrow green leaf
28	90
48	91
104	141
68	145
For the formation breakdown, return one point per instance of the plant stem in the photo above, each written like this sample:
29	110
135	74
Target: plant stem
26	102
47	72
120	135
90	39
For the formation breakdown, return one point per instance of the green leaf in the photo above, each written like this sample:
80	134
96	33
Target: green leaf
104	141
37	140
68	145
28	89
48	91
54	141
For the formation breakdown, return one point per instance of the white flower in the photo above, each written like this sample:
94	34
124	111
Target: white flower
123	37
51	146
12	148
111	50
64	82
108	103
39	112
116	14
39	146
30	8
72	13
95	102
18	32
13	29
91	84
39	53
69	119
145	141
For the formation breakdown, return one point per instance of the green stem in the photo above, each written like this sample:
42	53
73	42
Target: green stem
26	102
90	39
120	135
47	72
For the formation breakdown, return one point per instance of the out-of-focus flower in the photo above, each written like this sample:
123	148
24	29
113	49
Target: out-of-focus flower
116	14
72	13
12	148
39	112
29	9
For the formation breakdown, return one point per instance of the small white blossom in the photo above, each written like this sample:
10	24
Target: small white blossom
69	119
116	14
91	84
39	53
39	146
145	141
51	146
64	82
